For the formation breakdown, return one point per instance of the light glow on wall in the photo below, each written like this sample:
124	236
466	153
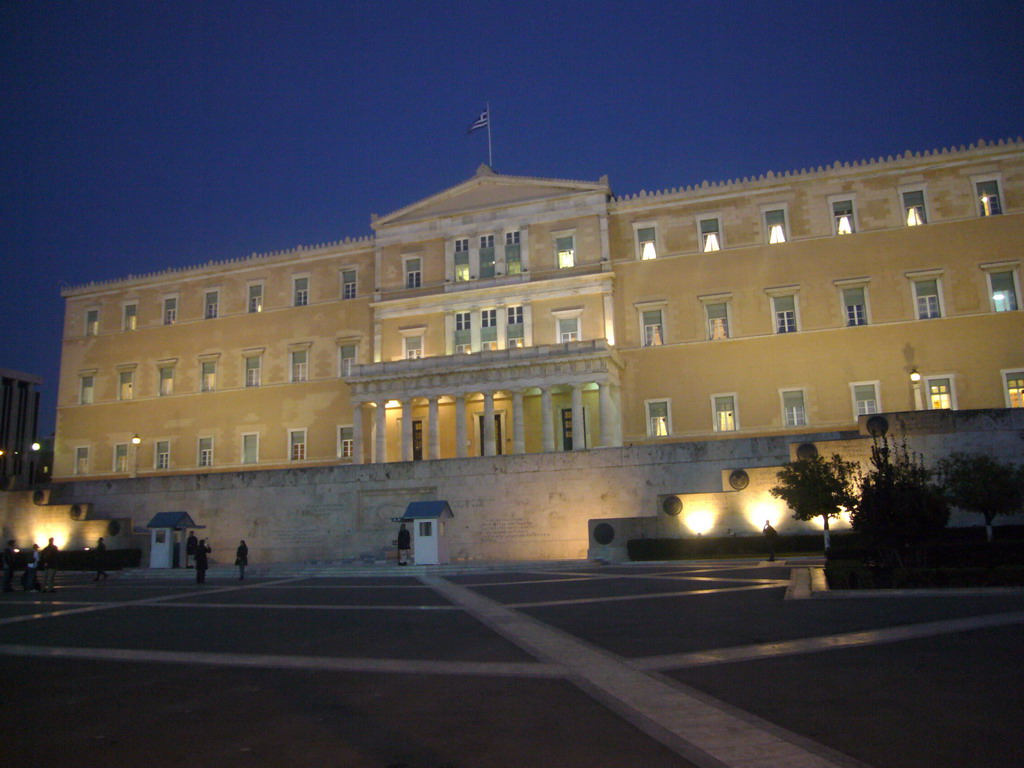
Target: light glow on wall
700	520
42	536
765	508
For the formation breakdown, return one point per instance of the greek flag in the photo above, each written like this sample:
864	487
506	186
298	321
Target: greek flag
481	122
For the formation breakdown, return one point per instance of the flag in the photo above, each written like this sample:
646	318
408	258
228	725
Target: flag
481	122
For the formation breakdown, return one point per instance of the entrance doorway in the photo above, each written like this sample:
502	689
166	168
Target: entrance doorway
499	438
417	441
567	428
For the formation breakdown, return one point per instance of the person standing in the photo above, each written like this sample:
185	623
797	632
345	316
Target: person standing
29	580
770	535
202	550
49	566
404	544
242	559
9	565
191	544
101	557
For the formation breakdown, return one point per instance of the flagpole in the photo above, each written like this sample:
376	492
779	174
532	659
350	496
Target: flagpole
490	157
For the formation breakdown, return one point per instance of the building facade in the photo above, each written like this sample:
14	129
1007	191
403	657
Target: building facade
512	315
19	418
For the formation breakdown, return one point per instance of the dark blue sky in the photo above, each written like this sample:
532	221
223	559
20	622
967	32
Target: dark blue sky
135	136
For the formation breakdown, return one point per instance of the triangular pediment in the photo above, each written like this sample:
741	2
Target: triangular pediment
488	189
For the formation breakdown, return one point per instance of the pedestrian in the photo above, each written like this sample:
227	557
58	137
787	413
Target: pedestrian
191	544
202	550
49	559
241	559
404	544
101	558
29	580
9	565
770	535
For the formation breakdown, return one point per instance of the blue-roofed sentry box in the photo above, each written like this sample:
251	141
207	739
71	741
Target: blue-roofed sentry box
163	528
430	542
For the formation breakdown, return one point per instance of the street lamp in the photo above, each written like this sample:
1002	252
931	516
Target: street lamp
915	383
135	455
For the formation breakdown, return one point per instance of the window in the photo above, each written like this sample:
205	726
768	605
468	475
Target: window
121	457
568	329
251	448
1003	291
940	393
487	256
346	359
658	418
208	376
646	246
926	296
865	399
92	322
426	529
170	311
855	306
988	197
253	370
345	442
784	308
131	317
793	412
212	303
565	251
462	260
515	330
842	217
348	284
710	234
914	213
166	380
653	328
513	256
300	291
413	273
775	225
86	390
725	413
81	460
297	444
300	365
1014	388
413	347
162	454
718	320
256	297
488	329
126	385
205	458
463	333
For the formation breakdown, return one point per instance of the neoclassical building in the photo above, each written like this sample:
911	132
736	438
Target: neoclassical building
511	315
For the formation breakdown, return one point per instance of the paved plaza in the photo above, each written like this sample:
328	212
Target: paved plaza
557	664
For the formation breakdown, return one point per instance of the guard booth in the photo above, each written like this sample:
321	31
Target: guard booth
167	538
429	535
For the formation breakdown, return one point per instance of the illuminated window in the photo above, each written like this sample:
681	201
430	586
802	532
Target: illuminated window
348	284
725	413
253	370
345	442
1014	389
162	454
487	256
1003	291
718	320
793	412
251	448
461	260
988	198
855	306
86	390
81	460
489	329
166	380
515	329
842	217
256	298
926	296
92	322
131	317
710	235
565	249
212	304
413	273
170	311
513	255
346	359
413	347
205	452
297	444
645	243
126	385
653	328
784	308
300	291
658	418
208	376
568	329
775	225
914	213
463	332
300	365
940	393
121	457
865	399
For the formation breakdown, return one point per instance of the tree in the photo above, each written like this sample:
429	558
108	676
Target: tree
899	507
817	487
980	484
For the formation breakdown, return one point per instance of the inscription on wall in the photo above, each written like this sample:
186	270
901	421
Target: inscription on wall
496	530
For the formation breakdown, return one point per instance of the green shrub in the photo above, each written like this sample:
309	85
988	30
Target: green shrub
721	546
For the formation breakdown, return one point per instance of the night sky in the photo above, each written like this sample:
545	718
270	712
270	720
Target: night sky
136	136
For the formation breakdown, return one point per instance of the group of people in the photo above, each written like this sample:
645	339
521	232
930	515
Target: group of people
44	560
198	551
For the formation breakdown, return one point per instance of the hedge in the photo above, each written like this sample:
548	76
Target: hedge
719	546
80	560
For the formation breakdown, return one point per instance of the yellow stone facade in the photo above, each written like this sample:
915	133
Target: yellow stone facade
498	315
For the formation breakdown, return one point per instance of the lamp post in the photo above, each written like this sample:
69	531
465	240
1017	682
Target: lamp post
136	440
915	383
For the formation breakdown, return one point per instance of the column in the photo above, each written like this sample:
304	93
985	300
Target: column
434	430
381	448
606	409
489	424
518	432
578	433
547	429
407	429
357	433
460	426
